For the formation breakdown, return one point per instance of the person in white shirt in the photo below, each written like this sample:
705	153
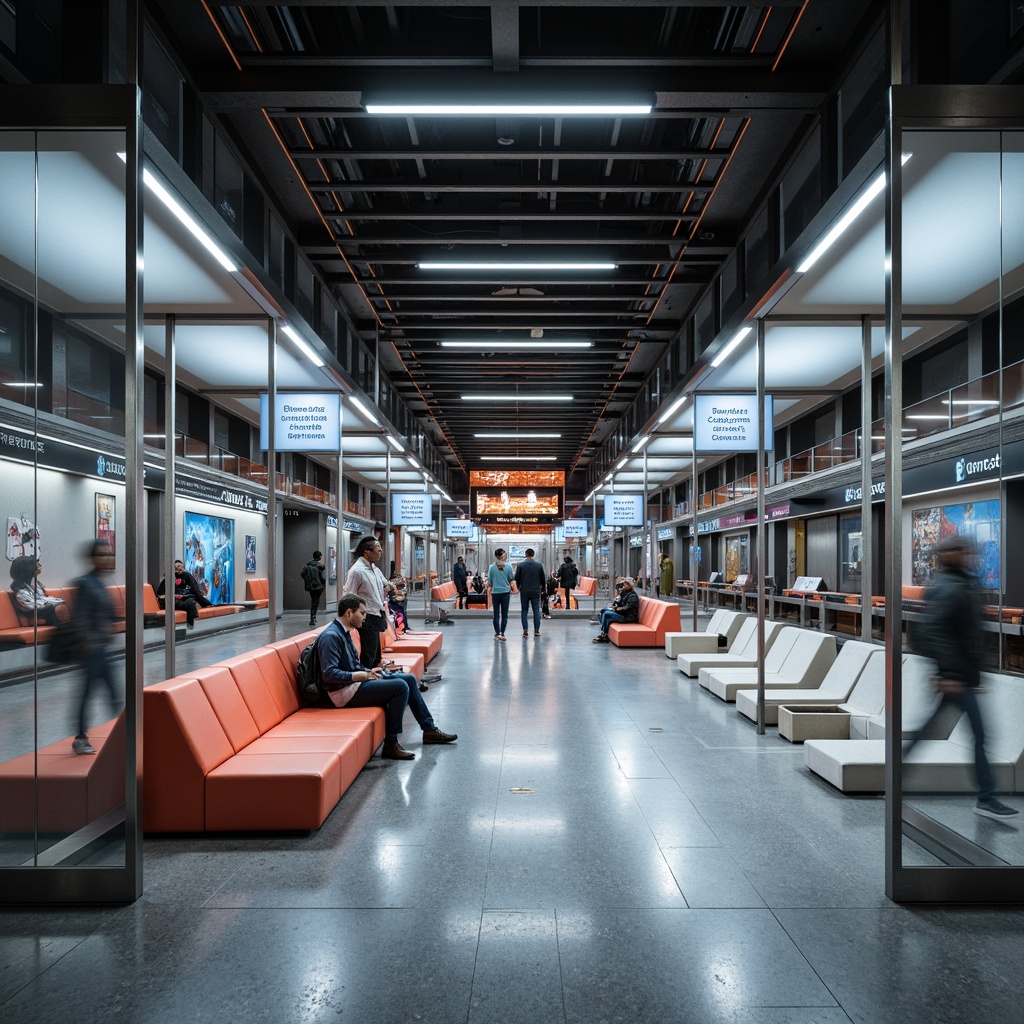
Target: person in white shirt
367	581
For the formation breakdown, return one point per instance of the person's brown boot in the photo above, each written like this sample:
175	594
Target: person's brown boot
436	736
394	751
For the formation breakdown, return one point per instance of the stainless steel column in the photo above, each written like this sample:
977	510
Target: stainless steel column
168	505
694	546
867	546
271	481
762	533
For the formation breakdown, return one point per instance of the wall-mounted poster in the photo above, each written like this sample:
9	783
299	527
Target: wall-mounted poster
978	520
210	555
106	524
22	538
332	564
250	553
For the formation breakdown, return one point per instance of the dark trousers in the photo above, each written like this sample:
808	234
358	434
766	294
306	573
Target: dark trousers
369	640
393	693
460	599
315	597
188	606
966	702
98	673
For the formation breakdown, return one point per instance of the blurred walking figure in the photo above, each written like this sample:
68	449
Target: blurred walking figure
93	613
953	638
30	596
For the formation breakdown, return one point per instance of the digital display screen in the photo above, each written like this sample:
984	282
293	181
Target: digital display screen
516	504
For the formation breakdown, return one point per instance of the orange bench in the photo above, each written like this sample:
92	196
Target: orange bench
443	592
586	586
13	629
256	590
68	790
229	748
427	644
656	619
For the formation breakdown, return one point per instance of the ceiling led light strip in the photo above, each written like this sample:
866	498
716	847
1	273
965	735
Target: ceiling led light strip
518	458
517	398
513	434
736	339
510	346
510	109
362	408
307	350
477	265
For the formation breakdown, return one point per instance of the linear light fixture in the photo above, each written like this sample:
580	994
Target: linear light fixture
517	434
396	444
362	408
515	346
847	219
24	384
517	398
509	109
185	217
480	265
621	464
518	458
938	417
984	402
643	440
672	409
736	339
304	347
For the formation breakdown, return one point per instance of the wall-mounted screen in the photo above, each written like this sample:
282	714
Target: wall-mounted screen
210	555
576	527
516	504
460	528
303	423
414	509
728	423
624	510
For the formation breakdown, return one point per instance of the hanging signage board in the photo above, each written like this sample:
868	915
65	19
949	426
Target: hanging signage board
728	423
303	423
624	510
576	527
414	509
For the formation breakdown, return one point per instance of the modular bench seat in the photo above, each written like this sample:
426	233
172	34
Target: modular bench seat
229	748
444	592
656	619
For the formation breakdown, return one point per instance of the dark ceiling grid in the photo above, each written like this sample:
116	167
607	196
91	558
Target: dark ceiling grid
637	192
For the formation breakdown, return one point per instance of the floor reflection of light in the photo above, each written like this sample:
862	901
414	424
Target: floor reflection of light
725	981
389	858
530	824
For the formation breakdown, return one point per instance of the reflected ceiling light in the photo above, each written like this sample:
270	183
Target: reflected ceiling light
24	384
362	408
643	440
397	445
517	434
518	458
736	339
304	346
672	409
846	220
511	109
515	346
938	417
517	398
479	265
983	402
185	217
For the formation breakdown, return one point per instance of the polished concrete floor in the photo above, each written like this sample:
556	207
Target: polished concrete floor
606	842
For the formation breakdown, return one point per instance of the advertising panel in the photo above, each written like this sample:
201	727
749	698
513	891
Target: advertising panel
210	555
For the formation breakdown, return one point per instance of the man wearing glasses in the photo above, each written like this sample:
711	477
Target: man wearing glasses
367	581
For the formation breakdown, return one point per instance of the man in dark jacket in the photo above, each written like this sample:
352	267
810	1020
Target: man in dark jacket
953	638
187	593
530	581
568	577
460	577
625	608
313	580
93	614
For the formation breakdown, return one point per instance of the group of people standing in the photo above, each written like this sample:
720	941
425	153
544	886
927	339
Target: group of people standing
529	580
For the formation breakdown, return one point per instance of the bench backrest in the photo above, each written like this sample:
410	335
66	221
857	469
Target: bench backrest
842	677
661	616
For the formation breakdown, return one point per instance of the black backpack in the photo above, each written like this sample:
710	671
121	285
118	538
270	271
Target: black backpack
307	675
311	576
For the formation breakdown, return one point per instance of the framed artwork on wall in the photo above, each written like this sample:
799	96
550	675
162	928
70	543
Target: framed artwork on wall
106	522
210	555
332	564
250	553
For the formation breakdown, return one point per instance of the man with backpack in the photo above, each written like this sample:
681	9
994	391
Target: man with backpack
346	682
568	577
313	581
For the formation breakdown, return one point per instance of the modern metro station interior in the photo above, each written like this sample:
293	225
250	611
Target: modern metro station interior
722	299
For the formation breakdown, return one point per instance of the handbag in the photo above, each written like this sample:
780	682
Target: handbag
68	643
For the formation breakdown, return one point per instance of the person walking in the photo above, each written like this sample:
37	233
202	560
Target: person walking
367	581
500	578
93	613
315	584
668	576
460	577
952	634
530	581
568	577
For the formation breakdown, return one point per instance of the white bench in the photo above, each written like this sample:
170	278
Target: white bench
804	665
724	623
742	653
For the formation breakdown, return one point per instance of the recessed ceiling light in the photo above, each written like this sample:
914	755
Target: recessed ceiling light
513	346
736	339
478	265
307	350
517	434
362	408
672	409
510	109
518	458
517	398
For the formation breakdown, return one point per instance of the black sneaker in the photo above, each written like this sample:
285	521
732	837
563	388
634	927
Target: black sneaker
993	808
600	639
